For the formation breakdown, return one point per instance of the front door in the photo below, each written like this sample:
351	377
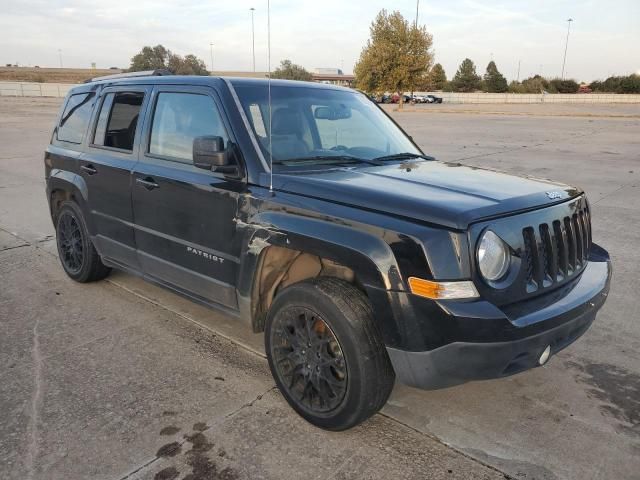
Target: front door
106	167
185	227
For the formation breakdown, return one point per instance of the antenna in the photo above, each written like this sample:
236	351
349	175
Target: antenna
269	89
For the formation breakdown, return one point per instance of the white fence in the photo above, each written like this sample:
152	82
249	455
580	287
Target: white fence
32	89
454	97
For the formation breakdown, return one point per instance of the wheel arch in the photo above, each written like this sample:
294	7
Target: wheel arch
280	249
64	185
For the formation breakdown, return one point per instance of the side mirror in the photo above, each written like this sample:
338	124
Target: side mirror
209	152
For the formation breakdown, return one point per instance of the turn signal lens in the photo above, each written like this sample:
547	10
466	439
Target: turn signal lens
442	290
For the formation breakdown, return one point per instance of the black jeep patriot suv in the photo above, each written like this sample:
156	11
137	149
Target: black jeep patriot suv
305	211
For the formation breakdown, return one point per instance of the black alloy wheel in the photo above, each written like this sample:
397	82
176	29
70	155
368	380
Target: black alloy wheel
308	357
70	242
77	254
326	353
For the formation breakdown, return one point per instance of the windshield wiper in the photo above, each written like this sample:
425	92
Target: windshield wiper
402	156
324	159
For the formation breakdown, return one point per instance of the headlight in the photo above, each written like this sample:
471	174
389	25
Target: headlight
493	256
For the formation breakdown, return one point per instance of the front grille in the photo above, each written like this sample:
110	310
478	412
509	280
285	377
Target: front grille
557	250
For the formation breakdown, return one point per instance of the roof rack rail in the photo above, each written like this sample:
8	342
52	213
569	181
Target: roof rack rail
144	73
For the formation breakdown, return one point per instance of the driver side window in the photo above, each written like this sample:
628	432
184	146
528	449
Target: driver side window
178	119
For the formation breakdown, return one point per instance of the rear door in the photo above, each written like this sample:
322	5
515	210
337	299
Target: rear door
185	228
107	167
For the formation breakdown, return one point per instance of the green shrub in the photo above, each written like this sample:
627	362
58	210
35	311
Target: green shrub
625	84
563	86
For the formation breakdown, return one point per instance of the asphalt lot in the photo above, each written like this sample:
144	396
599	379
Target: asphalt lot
121	379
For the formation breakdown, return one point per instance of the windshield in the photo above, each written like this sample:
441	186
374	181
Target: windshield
320	125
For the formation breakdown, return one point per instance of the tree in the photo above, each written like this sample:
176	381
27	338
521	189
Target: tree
536	84
466	79
516	87
564	86
158	57
291	71
630	84
189	65
396	56
494	81
626	84
437	77
150	58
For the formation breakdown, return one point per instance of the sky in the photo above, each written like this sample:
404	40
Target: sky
604	38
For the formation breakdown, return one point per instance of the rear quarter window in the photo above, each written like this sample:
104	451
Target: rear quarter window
75	118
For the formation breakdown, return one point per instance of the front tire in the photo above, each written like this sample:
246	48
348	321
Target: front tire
326	354
78	256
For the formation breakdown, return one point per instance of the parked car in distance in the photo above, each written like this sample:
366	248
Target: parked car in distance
433	99
421	98
395	98
326	229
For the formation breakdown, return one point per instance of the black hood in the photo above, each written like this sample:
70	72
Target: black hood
447	194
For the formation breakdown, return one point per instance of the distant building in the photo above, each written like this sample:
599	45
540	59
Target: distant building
328	71
334	76
342	80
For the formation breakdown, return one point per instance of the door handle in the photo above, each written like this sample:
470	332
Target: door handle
147	183
90	169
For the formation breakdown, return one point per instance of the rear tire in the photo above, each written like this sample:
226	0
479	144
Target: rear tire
326	354
78	256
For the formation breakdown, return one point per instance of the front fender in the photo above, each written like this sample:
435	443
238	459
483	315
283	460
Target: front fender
365	253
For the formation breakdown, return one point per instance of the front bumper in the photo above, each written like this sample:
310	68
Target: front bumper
555	320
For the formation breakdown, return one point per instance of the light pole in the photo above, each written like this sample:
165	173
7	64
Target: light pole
253	40
211	52
60	56
417	11
564	60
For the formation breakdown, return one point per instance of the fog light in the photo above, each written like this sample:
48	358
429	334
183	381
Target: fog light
545	355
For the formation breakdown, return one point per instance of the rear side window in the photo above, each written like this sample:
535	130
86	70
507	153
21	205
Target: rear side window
118	120
178	119
75	118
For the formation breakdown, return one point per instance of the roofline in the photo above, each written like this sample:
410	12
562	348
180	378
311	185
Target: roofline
161	78
144	73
